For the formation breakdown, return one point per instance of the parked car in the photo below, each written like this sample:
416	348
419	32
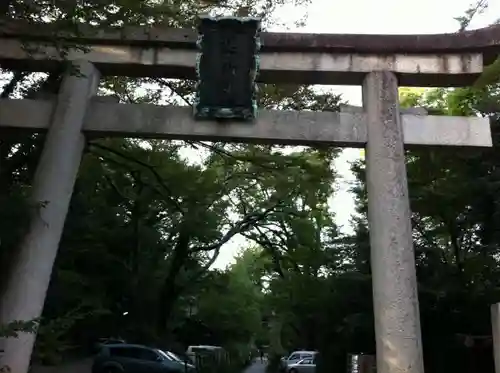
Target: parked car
197	353
175	357
128	358
303	366
295	357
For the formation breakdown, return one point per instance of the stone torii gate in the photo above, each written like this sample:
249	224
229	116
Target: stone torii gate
377	62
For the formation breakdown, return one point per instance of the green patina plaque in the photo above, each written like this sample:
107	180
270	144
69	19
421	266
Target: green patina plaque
227	66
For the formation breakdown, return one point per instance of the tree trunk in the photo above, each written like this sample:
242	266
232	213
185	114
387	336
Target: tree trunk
170	292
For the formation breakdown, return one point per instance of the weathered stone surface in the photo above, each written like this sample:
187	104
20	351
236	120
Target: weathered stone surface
286	67
53	182
284	127
394	280
485	40
359	109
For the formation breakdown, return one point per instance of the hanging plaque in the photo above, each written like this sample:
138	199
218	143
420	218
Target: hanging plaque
227	66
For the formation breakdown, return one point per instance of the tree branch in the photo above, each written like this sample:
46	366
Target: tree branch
229	155
11	86
239	227
149	167
167	83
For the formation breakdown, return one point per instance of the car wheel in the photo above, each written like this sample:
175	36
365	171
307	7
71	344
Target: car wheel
292	370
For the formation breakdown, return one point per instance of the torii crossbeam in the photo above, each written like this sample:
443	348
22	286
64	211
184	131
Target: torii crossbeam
377	62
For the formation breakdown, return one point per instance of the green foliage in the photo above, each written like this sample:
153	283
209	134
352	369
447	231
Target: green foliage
455	215
478	7
490	75
146	224
12	329
51	345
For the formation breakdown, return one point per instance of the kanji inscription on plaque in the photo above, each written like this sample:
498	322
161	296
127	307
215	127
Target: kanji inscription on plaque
227	67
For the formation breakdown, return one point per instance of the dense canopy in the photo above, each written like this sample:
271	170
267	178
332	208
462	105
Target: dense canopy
148	219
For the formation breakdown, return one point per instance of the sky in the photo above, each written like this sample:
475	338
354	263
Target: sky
367	17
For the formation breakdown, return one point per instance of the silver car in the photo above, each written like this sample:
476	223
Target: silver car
307	365
296	356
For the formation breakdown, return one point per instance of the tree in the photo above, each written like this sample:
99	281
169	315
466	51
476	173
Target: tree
145	224
163	236
230	307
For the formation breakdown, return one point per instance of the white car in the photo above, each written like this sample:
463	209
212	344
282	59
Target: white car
307	365
296	356
192	351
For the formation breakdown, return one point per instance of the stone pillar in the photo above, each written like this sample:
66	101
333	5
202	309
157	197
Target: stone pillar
53	183
495	332
397	319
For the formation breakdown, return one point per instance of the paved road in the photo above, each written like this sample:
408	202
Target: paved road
83	366
256	367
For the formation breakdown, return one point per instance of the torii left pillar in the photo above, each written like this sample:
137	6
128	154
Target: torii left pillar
55	176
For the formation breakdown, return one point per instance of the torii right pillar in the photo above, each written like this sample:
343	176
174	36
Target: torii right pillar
396	310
